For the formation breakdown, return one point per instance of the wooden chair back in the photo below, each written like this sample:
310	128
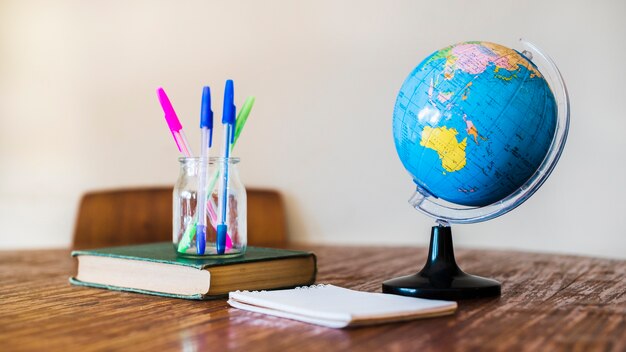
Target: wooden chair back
143	215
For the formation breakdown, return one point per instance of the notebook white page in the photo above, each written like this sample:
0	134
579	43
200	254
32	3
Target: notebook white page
338	307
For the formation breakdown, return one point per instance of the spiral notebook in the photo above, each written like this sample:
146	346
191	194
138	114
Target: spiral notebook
337	307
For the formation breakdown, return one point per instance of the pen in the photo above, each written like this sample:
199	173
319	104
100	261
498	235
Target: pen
172	122
228	120
206	128
242	117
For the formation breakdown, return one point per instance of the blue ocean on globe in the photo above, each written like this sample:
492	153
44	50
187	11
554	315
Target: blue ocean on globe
473	122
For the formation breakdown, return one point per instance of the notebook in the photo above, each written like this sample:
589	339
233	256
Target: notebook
337	307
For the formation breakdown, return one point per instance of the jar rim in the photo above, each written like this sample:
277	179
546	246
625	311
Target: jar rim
212	160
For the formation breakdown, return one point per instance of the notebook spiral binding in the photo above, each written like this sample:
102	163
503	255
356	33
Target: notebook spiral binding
297	288
311	287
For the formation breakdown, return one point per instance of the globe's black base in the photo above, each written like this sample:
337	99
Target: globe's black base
441	278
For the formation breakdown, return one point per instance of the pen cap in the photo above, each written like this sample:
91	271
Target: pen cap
206	114
170	114
229	104
242	117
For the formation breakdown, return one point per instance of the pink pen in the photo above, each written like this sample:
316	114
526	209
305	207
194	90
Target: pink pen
172	122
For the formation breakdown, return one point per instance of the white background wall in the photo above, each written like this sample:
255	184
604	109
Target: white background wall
78	110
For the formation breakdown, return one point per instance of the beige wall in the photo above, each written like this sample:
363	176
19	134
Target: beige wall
78	110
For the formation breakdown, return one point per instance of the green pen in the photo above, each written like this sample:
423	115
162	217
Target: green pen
242	117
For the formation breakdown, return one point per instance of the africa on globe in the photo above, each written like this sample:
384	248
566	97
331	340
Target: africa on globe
473	122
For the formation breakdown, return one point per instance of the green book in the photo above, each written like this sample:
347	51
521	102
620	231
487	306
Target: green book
156	269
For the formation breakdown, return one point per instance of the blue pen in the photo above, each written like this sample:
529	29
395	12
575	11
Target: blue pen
206	127
228	119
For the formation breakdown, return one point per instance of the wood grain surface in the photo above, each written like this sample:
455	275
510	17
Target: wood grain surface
548	303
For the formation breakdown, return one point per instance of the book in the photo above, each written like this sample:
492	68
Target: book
338	307
156	269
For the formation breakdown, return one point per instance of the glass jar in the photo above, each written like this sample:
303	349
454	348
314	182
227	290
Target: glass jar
185	221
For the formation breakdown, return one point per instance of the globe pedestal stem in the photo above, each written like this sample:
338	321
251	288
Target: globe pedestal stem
441	277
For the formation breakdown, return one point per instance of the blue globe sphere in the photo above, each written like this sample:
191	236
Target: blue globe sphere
473	122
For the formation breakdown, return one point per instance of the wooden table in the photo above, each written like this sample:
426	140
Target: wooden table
548	303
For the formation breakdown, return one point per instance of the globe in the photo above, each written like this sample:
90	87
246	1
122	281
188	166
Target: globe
473	122
479	127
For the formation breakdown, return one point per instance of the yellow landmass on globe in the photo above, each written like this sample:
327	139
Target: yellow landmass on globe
443	141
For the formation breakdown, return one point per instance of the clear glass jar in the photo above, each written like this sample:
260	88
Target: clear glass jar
185	220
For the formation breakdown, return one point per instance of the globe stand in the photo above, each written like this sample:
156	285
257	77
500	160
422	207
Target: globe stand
441	277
